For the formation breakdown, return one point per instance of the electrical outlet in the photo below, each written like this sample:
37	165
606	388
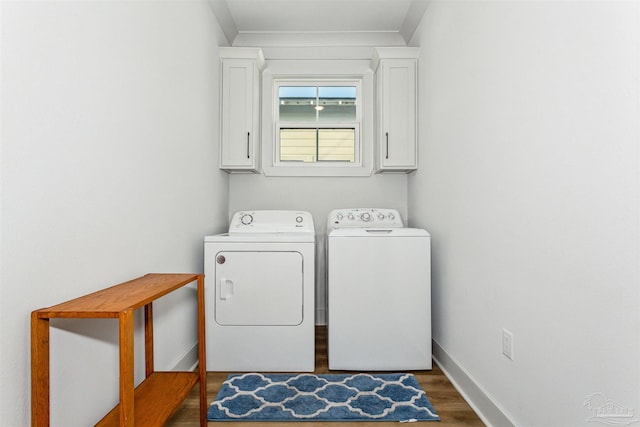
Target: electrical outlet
507	343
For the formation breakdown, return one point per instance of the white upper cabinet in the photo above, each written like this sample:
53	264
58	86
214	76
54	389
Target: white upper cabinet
240	109
396	108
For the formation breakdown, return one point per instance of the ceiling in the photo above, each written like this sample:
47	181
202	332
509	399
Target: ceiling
318	16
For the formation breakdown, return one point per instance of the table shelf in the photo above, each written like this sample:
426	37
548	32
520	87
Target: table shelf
154	400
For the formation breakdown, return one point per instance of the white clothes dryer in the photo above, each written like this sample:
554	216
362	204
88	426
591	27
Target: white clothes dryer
378	292
259	293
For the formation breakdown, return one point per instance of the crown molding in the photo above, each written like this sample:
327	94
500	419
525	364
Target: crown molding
225	20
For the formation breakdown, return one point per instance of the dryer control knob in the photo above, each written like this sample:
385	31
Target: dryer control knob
299	219
339	216
380	216
246	219
366	217
391	216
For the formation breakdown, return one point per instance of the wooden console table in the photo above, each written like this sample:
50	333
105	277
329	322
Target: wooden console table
154	401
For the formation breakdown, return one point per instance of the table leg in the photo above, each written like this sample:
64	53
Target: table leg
126	369
148	339
39	371
202	353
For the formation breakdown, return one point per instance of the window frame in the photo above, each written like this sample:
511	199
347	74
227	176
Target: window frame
308	124
313	73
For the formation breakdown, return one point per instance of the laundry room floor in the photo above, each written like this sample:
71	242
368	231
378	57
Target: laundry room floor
454	411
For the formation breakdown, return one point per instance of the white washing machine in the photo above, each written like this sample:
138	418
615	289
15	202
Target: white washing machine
259	293
378	291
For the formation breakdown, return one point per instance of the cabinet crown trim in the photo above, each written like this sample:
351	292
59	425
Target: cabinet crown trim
392	53
253	53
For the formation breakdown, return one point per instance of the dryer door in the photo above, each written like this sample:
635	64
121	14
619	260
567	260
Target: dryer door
256	288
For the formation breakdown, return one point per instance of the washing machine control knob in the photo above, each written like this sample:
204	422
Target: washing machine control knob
380	216
299	219
339	216
246	219
391	216
350	216
366	217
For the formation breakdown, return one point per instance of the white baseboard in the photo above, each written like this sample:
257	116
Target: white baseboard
188	361
487	409
321	316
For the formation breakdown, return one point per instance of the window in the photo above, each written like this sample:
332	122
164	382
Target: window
317	118
317	145
317	123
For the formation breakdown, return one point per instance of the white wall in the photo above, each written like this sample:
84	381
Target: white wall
108	172
529	184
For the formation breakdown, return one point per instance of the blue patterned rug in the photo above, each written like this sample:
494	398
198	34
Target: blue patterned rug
308	397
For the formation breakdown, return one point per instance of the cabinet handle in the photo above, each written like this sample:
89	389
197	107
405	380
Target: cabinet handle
387	156
248	145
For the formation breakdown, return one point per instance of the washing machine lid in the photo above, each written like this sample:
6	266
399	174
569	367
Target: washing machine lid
379	232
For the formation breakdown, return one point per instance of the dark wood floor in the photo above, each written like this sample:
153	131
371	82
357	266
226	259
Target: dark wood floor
452	408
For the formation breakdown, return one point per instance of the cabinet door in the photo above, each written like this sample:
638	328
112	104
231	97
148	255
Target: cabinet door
239	122
398	109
